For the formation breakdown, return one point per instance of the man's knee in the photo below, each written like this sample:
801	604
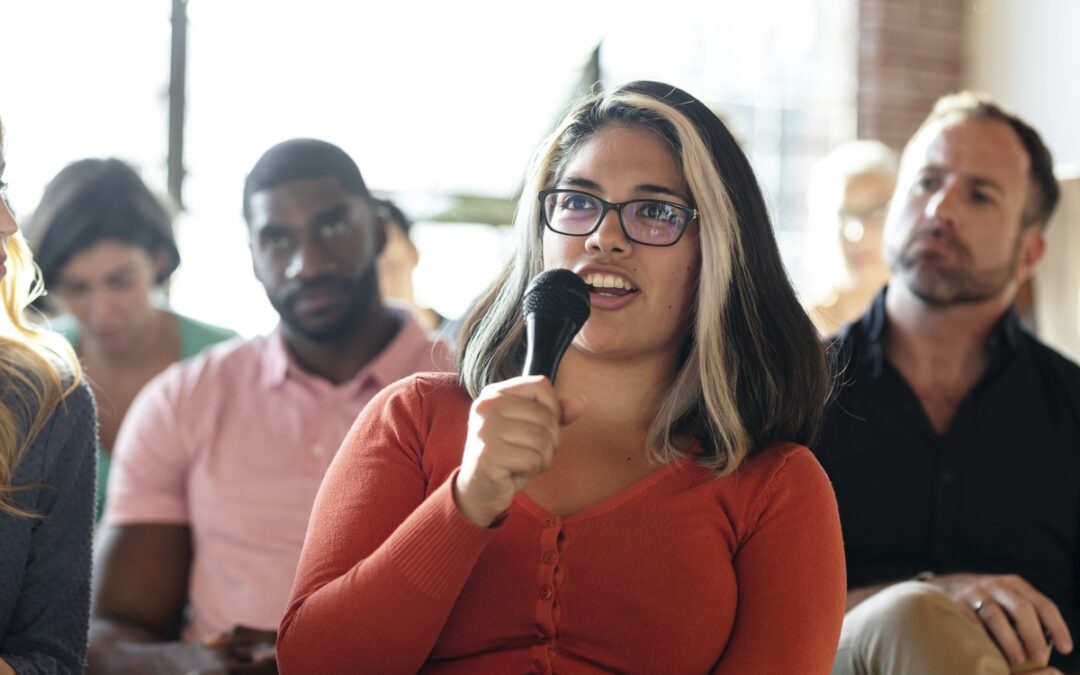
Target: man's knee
915	627
909	607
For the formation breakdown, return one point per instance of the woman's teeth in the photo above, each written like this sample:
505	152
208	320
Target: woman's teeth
602	282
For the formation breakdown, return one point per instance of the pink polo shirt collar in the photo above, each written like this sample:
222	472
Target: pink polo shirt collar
391	364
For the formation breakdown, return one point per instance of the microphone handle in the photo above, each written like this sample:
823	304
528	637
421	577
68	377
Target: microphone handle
547	338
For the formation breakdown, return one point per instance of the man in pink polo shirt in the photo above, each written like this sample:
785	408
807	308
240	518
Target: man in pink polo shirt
218	461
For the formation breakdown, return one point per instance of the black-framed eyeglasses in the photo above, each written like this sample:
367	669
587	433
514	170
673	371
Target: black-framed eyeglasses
646	221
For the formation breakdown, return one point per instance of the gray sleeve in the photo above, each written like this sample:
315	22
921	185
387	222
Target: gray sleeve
48	628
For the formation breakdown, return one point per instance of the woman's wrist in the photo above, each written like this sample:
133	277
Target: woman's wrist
477	519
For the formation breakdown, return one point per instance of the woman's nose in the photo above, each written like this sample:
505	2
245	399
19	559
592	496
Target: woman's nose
609	237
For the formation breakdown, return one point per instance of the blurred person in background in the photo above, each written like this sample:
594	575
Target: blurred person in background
953	441
218	462
106	249
397	262
848	195
47	442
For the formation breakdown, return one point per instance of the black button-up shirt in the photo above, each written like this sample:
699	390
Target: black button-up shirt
999	492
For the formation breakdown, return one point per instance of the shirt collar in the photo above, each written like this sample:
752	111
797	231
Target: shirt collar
398	359
871	328
1005	337
276	360
394	362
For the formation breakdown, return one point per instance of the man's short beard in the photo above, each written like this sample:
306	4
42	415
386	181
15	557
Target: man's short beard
364	294
325	334
955	285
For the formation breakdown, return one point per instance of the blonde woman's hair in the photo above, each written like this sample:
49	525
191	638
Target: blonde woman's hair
752	371
37	369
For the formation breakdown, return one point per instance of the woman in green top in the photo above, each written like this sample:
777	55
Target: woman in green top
105	245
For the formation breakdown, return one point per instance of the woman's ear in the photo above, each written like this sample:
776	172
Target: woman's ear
161	261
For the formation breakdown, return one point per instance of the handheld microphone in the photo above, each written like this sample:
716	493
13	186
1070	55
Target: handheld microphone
556	306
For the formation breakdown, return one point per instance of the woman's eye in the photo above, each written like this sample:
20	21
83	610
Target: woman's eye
663	212
576	202
926	183
121	284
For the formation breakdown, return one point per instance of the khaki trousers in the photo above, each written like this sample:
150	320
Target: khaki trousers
913	628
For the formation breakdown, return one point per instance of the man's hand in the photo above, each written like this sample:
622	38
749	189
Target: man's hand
244	651
1016	616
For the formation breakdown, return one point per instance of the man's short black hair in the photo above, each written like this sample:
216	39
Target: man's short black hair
1044	194
302	158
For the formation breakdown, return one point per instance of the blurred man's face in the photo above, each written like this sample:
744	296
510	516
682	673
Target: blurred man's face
953	234
313	247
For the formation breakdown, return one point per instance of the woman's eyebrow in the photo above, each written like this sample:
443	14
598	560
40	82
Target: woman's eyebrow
658	189
574	181
645	188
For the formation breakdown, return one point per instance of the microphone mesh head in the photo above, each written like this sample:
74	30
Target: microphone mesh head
558	292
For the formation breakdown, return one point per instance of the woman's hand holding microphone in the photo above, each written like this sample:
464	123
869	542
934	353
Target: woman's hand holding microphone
514	431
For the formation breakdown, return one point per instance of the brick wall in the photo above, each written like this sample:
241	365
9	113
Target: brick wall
910	53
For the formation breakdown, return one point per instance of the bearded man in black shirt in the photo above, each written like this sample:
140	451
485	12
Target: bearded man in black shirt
953	442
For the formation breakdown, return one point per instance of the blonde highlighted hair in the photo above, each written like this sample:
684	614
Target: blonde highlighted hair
37	369
752	370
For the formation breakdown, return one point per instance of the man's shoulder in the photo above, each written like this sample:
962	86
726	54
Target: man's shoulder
413	350
846	352
221	366
1053	358
196	335
1058	373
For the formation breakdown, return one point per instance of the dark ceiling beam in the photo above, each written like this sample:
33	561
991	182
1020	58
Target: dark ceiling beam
177	101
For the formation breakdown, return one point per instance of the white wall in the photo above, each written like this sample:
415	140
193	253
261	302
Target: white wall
1026	53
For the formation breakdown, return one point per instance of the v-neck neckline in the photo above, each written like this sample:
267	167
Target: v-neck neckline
627	494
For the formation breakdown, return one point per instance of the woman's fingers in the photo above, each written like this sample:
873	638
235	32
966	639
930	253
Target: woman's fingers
512	437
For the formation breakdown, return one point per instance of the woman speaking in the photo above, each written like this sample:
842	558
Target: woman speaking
654	510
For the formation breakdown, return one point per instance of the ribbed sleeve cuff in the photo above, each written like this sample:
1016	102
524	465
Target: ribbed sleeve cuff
436	547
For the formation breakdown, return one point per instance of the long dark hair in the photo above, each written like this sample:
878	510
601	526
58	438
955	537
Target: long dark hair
753	371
